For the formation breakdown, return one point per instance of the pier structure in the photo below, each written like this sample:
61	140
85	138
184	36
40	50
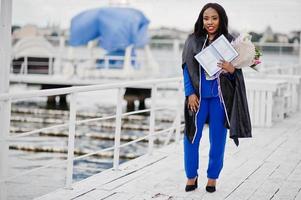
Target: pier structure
267	166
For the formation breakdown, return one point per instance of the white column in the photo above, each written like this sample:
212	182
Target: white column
5	56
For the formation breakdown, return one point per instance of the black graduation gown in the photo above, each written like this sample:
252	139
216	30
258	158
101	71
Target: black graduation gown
233	92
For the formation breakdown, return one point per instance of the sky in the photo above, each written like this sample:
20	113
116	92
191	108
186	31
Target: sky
244	15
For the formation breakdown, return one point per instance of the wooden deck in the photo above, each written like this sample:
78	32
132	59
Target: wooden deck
268	166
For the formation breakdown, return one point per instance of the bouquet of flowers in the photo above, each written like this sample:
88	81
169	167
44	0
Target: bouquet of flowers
248	54
256	59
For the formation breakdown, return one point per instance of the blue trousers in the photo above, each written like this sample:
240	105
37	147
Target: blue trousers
214	110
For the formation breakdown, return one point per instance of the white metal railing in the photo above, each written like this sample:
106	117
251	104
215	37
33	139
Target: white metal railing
66	56
75	61
73	91
177	44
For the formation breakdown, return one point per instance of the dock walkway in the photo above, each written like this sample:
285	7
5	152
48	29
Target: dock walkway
267	166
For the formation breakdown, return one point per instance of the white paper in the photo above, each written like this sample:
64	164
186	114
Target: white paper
220	49
224	48
209	59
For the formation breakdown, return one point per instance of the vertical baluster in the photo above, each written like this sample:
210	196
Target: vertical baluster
300	50
26	65
152	119
71	138
59	55
5	109
106	60
5	56
118	129
179	111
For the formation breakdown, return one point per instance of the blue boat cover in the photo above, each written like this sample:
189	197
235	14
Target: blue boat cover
115	27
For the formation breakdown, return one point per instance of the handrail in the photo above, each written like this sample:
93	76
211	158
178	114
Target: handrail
80	122
152	84
79	89
37	131
170	41
60	162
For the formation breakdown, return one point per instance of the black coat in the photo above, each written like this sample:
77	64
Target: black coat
233	93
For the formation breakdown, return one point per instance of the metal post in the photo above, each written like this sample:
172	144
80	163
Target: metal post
280	50
179	111
152	119
5	56
300	49
106	60
176	51
26	65
59	57
127	61
4	147
118	128
71	137
50	66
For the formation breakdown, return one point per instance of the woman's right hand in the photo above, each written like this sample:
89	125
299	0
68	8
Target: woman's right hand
193	102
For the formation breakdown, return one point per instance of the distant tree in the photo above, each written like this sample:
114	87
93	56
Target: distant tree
255	36
294	37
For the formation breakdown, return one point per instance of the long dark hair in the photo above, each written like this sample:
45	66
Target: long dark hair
199	31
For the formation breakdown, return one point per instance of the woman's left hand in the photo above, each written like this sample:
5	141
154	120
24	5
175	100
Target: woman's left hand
226	66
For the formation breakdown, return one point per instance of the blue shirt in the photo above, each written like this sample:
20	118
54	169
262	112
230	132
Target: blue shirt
189	90
209	88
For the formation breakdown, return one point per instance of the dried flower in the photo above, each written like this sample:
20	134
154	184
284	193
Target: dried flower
248	55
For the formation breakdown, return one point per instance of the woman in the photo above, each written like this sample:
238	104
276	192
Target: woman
203	104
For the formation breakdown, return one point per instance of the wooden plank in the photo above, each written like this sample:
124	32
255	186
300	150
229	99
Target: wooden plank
123	181
244	170
275	186
298	196
156	174
118	196
63	194
288	190
95	194
269	109
107	176
249	186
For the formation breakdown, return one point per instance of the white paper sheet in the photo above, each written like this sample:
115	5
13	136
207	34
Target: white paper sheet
220	49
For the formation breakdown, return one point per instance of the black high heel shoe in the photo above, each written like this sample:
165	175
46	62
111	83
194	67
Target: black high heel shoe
189	188
210	189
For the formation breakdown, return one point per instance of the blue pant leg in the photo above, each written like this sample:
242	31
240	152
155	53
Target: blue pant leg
191	151
217	137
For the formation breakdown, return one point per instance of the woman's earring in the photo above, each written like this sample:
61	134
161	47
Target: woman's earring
203	27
